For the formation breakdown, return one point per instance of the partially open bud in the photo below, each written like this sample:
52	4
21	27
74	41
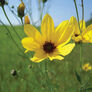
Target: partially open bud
21	9
44	1
27	21
2	2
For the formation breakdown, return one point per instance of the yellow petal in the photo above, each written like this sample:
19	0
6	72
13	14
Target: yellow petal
37	60
83	25
75	25
65	38
39	55
29	44
30	30
26	51
88	36
33	32
59	31
65	50
56	57
27	21
47	28
89	27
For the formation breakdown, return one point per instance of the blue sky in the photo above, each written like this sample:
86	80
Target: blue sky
60	10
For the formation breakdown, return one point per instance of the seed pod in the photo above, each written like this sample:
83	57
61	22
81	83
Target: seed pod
27	21
20	10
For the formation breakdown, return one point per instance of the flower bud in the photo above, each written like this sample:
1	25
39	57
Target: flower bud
2	2
44	1
21	9
27	21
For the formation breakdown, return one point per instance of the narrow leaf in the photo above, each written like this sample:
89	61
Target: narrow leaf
78	77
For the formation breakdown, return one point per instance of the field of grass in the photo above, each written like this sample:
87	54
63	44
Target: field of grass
31	77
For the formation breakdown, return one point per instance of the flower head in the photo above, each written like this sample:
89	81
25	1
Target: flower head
84	34
50	43
21	9
86	67
27	21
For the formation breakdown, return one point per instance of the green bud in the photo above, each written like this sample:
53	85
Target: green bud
2	2
44	1
20	10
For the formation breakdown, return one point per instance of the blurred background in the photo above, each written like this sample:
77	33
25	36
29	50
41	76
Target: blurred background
60	10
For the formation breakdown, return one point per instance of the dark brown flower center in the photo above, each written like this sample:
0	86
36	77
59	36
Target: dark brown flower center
49	47
76	35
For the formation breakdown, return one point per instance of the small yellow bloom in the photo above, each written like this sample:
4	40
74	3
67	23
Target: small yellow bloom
21	9
50	43
86	67
84	34
27	21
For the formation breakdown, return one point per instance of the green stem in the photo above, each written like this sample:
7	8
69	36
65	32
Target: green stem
12	11
80	33
11	36
82	11
48	82
42	12
22	52
10	22
77	12
22	24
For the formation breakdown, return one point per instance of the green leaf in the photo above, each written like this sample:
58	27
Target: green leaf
78	76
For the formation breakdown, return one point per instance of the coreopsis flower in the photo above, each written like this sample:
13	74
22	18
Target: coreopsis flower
27	21
84	34
50	43
86	67
21	9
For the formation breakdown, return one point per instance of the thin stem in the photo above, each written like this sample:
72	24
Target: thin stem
82	11
77	12
80	33
22	24
48	82
10	22
42	12
12	11
22	52
80	55
22	21
11	37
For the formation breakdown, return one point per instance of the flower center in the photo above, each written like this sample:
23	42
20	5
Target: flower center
76	35
49	47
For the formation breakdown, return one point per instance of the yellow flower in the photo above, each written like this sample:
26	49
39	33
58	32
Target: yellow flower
50	43
86	67
84	34
27	21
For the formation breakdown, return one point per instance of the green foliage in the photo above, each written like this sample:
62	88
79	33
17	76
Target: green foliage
33	79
